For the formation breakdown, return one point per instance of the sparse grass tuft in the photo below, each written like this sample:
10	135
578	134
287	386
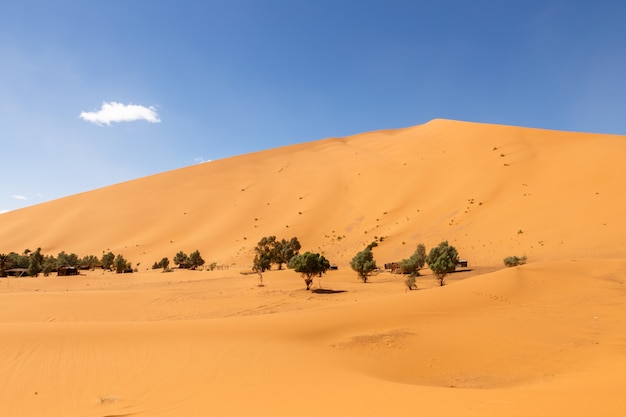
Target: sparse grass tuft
410	282
510	261
107	399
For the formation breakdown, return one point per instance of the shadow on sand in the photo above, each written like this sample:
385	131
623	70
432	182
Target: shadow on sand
325	291
462	270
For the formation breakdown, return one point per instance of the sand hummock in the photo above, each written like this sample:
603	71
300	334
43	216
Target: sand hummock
546	338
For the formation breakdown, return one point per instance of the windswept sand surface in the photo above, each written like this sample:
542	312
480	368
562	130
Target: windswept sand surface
492	191
547	338
543	339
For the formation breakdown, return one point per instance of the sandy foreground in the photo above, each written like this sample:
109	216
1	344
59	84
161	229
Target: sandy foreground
547	338
543	339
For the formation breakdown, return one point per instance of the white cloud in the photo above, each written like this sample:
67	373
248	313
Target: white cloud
4	211
118	112
19	197
201	160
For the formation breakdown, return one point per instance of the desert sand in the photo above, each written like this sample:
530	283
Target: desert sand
546	338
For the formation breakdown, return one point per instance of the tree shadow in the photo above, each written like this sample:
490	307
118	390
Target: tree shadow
325	291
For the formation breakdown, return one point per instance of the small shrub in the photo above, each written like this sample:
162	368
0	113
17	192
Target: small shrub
410	282
510	261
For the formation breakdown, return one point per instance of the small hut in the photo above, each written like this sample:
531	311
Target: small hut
17	272
67	270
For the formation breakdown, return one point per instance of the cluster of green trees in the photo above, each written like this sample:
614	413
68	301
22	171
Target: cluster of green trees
35	262
32	261
270	251
192	261
441	259
163	263
116	262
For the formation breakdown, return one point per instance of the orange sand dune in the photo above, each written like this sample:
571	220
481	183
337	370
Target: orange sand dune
492	191
546	338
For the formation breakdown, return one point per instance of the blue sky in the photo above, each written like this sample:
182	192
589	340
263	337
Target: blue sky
213	79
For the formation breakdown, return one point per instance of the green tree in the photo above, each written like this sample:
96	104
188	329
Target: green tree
107	260
181	259
38	256
49	265
415	262
64	259
163	263
89	262
261	263
17	261
363	263
4	261
34	268
309	265
265	253
270	251
442	260
35	262
195	260
121	264
285	250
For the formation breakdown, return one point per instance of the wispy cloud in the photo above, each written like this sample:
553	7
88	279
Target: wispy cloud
114	112
201	160
19	197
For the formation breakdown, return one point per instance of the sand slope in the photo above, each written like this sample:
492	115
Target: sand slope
546	338
492	191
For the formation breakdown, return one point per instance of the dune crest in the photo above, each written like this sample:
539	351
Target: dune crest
492	191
